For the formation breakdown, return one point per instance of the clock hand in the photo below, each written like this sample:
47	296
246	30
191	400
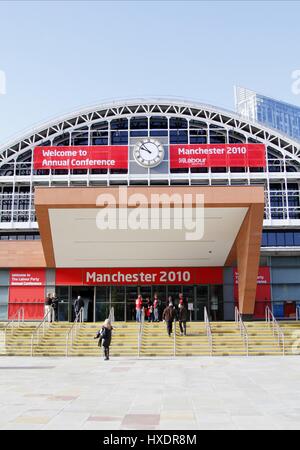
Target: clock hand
146	149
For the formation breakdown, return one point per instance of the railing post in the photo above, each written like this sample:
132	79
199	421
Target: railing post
140	332
243	330
174	350
31	345
208	331
67	338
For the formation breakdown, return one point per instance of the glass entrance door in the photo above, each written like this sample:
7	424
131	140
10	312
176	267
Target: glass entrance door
174	291
102	305
201	301
131	296
87	295
117	301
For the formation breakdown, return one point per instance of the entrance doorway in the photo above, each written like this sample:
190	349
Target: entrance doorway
87	295
98	300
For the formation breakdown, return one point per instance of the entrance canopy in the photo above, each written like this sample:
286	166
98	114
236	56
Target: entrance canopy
139	227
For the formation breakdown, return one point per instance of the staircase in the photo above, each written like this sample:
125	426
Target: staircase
155	340
291	332
261	340
227	340
157	343
17	343
53	343
124	340
195	343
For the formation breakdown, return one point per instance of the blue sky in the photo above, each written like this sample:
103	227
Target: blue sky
58	56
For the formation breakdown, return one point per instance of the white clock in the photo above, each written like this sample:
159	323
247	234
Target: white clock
148	153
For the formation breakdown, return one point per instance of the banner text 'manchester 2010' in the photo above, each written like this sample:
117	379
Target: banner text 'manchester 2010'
217	155
181	156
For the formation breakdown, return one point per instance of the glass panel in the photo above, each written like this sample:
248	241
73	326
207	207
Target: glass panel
118	302
62	293
87	295
297	238
3	312
146	292
216	303
139	123
119	138
102	303
63	311
131	296
102	311
200	302
174	291
178	137
102	294
119	309
117	294
119	124
188	294
158	123
177	122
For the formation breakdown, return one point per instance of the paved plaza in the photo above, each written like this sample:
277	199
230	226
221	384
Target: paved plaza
195	393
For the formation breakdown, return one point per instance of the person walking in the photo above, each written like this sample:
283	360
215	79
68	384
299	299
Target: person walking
169	315
182	316
105	335
180	300
156	307
77	306
55	307
149	310
48	307
170	300
138	308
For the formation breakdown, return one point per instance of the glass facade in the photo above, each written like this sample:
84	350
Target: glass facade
281	238
267	111
99	300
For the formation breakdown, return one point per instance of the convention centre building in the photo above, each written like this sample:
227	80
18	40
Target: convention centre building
85	200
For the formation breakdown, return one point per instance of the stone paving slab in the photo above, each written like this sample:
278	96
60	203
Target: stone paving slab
152	394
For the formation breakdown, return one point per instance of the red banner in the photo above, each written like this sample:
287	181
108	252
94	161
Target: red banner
217	155
27	289
81	157
263	291
140	276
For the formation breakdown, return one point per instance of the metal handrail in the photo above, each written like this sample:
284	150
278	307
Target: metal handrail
48	318
74	329
243	330
141	331
208	331
174	343
19	314
271	321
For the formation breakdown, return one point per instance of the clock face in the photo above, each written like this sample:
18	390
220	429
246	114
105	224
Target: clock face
148	153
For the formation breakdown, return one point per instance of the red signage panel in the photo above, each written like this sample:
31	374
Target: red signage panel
81	157
140	276
263	291
27	277
217	155
27	289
